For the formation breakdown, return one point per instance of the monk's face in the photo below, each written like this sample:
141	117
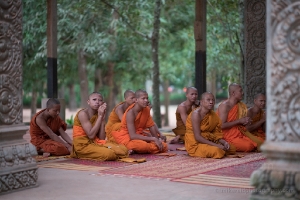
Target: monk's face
238	92
95	101
208	101
192	95
54	110
130	99
260	101
142	100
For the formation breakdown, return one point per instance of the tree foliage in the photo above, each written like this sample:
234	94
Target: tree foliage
124	41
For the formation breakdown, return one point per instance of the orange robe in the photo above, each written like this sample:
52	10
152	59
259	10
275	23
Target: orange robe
142	121
41	140
96	149
113	124
210	127
180	127
242	139
259	132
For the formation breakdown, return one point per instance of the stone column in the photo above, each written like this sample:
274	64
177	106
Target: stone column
18	170
255	49
279	177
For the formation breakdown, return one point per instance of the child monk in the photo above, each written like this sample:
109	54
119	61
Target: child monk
89	134
45	128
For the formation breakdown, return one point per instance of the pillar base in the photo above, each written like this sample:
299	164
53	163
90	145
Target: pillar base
279	177
18	169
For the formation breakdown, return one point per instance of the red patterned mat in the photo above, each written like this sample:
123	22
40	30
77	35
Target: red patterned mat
242	171
236	176
94	163
180	166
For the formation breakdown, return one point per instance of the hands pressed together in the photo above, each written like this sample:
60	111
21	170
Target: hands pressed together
102	109
245	121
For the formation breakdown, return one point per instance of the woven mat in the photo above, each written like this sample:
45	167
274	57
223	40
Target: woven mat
65	162
237	176
180	166
71	166
41	158
223	181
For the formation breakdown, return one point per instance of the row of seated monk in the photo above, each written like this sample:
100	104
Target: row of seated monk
131	129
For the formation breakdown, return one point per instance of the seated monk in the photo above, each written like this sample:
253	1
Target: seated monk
135	120
182	111
45	128
115	117
258	116
232	113
89	134
203	136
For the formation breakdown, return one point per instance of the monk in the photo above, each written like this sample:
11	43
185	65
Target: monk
89	134
45	128
258	117
135	120
182	111
115	117
233	114
203	136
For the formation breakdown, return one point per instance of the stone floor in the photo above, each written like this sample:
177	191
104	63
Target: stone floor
62	184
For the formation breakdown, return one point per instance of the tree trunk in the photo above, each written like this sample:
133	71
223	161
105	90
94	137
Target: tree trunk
111	65
211	85
84	89
110	77
155	60
98	82
33	103
241	38
166	102
72	98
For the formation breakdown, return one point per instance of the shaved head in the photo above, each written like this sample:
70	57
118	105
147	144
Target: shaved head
189	89
205	94
52	102
232	87
127	93
259	95
95	93
139	92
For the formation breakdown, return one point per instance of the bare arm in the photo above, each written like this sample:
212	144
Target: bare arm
182	111
102	134
65	136
196	121
120	112
90	130
43	125
253	127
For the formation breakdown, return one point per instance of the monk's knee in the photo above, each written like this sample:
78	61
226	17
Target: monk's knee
217	153
108	154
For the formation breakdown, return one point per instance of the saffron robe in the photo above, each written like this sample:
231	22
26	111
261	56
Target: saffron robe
210	127
113	124
41	140
180	127
238	135
259	132
96	149
142	121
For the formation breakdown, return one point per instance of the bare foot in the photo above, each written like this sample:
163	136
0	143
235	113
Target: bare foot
175	140
130	152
